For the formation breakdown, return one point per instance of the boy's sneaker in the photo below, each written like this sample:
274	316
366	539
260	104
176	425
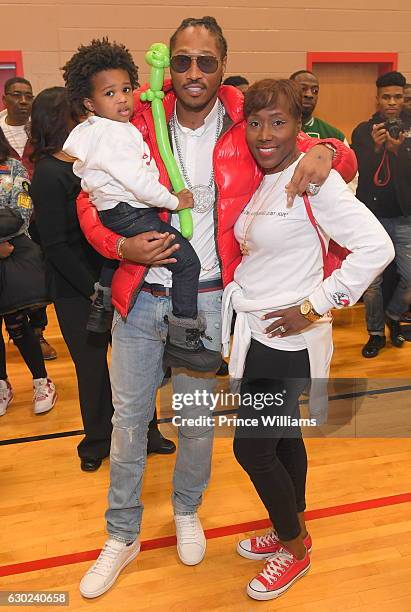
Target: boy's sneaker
191	541
45	395
104	572
279	574
262	547
184	347
6	396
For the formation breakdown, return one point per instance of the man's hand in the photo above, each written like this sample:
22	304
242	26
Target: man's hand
379	135
290	319
150	249
313	168
6	249
393	145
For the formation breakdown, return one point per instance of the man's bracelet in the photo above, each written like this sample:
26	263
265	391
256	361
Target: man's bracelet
331	148
120	244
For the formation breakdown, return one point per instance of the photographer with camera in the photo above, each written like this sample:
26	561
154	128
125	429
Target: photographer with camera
384	185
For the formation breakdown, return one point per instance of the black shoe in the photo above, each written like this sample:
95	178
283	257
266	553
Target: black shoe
373	346
160	445
406	332
100	319
223	371
88	464
406	317
397	339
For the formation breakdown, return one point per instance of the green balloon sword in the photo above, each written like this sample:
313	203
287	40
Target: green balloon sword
158	57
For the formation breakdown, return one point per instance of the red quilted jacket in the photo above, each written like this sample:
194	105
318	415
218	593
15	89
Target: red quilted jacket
236	175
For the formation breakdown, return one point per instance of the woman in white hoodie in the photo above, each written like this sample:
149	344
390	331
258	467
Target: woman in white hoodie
281	277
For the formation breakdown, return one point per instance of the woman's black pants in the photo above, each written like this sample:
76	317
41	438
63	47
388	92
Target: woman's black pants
89	354
273	452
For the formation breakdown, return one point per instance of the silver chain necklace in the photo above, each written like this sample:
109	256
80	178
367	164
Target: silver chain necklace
204	195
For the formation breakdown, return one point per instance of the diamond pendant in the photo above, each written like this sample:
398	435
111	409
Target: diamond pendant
204	198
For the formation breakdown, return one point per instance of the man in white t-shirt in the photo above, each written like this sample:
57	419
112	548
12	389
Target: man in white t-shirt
18	99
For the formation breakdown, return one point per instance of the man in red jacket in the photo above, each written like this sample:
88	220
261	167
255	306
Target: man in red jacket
201	114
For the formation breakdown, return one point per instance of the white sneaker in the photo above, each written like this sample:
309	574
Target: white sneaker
191	542
104	572
6	396
45	395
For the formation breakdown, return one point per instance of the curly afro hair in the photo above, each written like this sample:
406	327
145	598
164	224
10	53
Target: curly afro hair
90	59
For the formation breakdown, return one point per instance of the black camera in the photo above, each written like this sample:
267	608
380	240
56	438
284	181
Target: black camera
394	127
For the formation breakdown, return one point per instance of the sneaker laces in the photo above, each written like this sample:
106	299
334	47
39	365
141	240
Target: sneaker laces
277	565
106	560
266	540
188	528
42	391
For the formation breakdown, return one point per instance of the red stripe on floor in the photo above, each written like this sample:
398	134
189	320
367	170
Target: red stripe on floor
217	532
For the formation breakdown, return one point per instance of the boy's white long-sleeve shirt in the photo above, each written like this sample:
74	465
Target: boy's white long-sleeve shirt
115	165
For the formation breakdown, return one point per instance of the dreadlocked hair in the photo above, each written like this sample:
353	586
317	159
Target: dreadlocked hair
91	59
207	22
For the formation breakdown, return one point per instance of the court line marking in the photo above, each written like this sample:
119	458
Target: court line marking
80	432
216	532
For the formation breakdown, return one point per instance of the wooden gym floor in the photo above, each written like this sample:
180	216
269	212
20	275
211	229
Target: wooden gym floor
359	501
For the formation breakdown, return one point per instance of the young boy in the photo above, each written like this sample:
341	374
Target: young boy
117	170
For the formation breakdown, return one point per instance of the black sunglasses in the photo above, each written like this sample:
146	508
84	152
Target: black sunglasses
206	63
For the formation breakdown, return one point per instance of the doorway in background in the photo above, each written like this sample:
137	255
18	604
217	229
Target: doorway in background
11	65
347	85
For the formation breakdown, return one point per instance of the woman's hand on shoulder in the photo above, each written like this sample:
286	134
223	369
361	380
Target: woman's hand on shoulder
290	322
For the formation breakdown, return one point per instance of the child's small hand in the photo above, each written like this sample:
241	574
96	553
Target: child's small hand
185	200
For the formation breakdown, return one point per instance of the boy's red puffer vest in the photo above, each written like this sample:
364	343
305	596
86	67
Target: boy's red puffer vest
237	176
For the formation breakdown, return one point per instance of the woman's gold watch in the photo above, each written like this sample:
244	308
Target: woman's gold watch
308	312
